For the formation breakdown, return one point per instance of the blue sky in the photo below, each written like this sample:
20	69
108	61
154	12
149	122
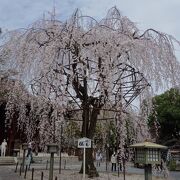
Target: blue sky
159	14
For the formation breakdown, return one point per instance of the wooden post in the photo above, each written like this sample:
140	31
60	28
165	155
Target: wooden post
25	172
23	160
46	164
118	169
148	172
124	168
60	151
16	167
32	177
51	167
42	175
20	169
60	161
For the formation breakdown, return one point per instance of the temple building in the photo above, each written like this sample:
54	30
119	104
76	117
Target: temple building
8	130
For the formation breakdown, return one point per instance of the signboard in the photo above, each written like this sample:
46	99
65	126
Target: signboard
84	143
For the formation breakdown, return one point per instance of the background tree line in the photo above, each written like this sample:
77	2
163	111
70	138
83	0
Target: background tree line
166	112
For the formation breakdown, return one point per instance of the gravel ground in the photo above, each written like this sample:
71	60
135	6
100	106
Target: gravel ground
7	173
74	175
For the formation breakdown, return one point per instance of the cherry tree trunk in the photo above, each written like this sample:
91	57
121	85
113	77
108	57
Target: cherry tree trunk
88	130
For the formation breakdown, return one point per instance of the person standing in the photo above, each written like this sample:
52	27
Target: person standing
3	148
113	161
98	158
29	153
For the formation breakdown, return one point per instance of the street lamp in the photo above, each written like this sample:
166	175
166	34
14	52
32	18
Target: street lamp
24	147
148	153
52	148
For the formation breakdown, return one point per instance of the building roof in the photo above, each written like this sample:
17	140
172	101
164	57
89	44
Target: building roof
148	145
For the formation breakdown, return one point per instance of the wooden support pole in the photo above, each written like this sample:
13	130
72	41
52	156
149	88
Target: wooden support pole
46	164
51	166
42	175
25	172
20	169
16	167
148	171
32	177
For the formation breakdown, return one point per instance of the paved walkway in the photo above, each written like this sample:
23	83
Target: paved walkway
7	173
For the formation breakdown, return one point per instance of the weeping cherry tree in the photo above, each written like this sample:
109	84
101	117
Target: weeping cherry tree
87	66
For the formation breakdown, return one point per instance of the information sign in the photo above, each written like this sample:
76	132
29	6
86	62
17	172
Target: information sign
84	143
